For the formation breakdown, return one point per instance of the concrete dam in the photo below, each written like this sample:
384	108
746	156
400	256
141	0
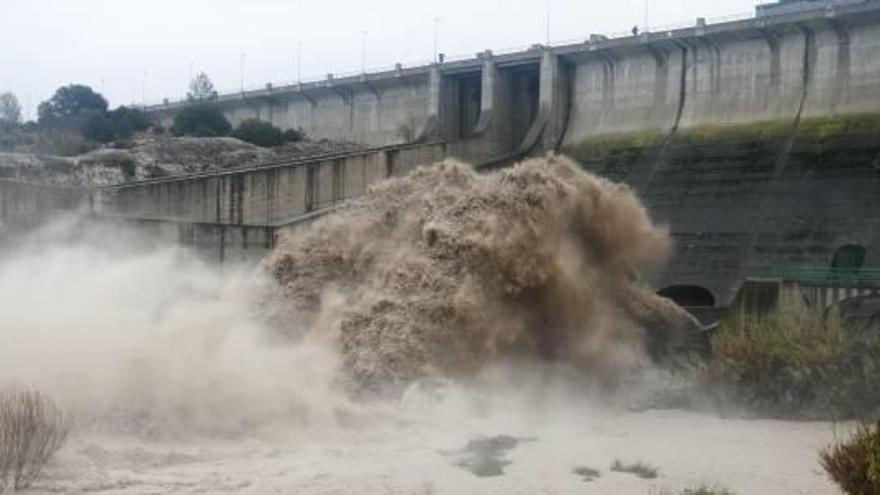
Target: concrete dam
756	141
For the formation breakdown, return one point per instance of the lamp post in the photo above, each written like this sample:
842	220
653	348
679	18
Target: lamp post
436	36
299	72
241	71
364	53
547	27
144	90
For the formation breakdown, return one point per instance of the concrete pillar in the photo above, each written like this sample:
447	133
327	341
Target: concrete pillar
553	97
431	127
489	93
548	129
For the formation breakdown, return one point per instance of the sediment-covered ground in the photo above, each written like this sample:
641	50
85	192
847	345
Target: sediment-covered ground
424	449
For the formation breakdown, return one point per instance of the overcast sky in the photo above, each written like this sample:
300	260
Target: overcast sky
135	49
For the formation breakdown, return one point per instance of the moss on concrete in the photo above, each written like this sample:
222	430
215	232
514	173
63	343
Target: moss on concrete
609	152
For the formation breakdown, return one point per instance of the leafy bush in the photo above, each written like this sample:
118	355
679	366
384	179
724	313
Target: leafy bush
128	120
200	120
119	124
794	363
259	133
32	430
98	128
293	135
855	464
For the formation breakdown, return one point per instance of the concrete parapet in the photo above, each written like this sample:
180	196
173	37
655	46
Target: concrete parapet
262	196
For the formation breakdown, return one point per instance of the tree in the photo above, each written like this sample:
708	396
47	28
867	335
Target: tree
10	110
128	120
260	133
201	88
70	105
98	127
200	120
201	117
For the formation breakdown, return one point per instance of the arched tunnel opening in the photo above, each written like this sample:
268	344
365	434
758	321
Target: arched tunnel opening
851	256
689	296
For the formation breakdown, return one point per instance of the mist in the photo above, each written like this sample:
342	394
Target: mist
113	330
184	376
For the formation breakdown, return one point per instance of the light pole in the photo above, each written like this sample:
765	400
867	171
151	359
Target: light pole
241	71
299	72
436	37
646	15
144	90
364	53
547	27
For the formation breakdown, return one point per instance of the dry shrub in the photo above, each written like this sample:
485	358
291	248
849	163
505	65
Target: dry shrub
794	362
640	469
63	143
855	464
707	490
791	336
32	430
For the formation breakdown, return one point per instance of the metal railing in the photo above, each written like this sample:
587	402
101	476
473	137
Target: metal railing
820	274
463	57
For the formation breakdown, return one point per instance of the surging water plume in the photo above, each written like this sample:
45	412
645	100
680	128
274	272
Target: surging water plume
446	270
151	340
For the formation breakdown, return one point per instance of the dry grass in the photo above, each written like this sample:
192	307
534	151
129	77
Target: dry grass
792	336
794	363
707	490
855	463
32	430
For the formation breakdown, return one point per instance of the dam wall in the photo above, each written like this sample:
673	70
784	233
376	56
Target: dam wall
756	141
739	200
769	68
24	206
265	196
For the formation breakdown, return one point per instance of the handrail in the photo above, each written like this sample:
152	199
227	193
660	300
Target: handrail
820	274
459	57
269	165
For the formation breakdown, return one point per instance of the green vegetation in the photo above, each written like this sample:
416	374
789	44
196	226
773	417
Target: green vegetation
200	120
201	89
119	124
259	133
753	131
265	134
855	463
608	144
10	112
71	122
293	135
795	363
827	127
201	117
69	106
